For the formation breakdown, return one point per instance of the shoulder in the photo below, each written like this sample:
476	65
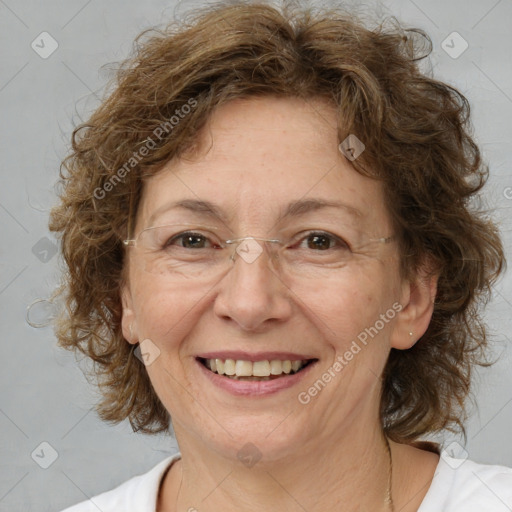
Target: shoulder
139	493
461	485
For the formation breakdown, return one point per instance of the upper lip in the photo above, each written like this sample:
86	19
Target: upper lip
254	356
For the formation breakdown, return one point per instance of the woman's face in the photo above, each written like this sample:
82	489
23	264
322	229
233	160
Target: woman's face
260	156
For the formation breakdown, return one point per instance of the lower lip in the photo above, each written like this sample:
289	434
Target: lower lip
254	387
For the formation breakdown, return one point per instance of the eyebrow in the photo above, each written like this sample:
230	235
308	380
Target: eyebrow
293	209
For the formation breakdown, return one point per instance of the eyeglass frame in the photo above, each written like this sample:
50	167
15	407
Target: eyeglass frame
132	241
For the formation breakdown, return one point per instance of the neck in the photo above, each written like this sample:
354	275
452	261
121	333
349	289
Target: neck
352	470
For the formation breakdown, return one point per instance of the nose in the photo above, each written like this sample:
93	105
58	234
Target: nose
252	294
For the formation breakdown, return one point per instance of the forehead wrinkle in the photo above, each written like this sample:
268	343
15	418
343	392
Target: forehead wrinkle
293	209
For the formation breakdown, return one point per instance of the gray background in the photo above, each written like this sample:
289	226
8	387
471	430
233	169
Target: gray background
44	396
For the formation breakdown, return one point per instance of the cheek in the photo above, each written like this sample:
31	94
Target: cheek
167	316
358	308
164	313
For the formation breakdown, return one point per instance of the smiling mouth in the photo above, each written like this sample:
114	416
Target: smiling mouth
255	371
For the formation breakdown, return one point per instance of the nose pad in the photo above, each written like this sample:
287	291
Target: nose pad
250	248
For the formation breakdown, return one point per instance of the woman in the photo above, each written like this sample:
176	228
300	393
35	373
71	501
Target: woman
269	241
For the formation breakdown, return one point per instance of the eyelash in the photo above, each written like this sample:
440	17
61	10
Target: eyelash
344	245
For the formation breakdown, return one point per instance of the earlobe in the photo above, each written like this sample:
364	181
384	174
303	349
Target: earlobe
418	297
128	321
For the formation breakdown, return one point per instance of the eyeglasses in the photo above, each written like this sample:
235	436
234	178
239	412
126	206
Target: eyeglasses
191	251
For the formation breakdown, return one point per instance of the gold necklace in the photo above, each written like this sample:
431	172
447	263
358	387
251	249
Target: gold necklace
389	496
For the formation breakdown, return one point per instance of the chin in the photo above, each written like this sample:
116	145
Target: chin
268	437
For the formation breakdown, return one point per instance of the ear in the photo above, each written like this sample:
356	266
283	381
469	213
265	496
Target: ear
417	300
128	320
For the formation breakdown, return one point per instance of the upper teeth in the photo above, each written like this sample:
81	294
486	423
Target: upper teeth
242	368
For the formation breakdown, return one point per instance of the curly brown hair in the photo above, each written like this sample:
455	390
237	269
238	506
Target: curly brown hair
417	136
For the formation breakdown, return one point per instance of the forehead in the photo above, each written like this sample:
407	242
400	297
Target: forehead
264	159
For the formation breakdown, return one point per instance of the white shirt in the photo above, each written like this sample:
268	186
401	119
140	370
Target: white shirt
458	486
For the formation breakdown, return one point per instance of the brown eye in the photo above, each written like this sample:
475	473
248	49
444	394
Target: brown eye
189	240
320	241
